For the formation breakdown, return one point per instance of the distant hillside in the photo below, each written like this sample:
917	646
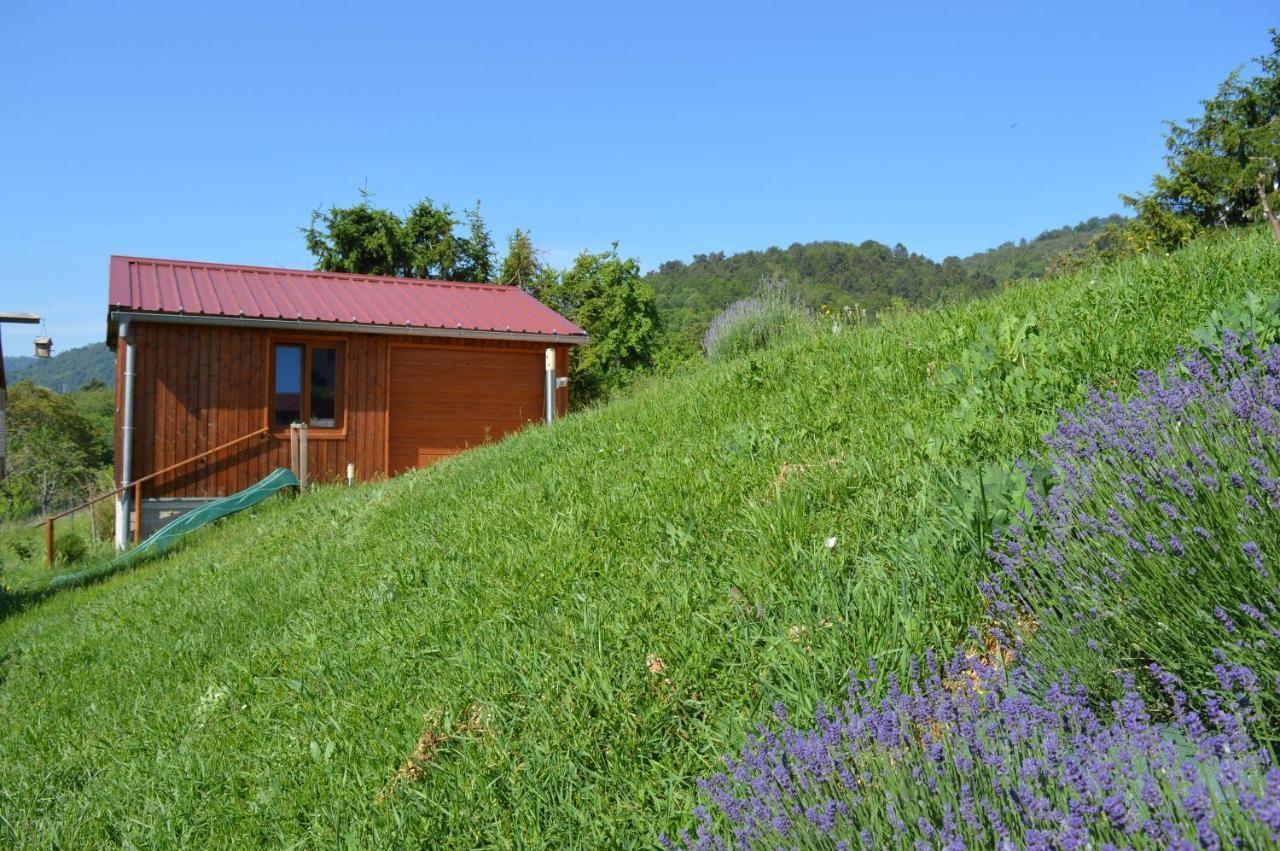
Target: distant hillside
870	275
1025	259
16	364
66	371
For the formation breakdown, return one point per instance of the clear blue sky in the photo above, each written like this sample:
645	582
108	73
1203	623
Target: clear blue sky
209	131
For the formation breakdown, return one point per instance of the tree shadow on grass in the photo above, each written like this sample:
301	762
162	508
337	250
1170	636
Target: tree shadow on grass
18	601
15	601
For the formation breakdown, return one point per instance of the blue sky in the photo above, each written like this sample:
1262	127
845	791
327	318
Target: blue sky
209	131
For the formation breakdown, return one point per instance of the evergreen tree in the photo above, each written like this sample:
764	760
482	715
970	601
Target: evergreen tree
431	248
477	249
361	240
522	265
1214	162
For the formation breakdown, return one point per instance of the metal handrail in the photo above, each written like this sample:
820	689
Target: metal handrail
136	485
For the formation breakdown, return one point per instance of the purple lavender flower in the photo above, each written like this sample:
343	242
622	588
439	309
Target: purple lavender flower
1054	773
1253	552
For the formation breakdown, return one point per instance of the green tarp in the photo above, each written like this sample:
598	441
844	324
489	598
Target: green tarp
171	533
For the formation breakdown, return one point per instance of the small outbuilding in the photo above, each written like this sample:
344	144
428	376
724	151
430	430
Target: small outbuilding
218	367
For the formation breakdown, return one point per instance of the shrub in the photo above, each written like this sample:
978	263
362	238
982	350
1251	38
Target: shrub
774	313
962	757
70	548
1154	545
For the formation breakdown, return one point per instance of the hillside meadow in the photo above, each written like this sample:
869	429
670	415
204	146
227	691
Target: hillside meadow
542	642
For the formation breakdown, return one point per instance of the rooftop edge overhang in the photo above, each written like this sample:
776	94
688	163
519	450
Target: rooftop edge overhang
116	315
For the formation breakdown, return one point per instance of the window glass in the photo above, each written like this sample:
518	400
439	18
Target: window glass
287	408
324	387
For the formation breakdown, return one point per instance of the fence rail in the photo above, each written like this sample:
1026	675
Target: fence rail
136	486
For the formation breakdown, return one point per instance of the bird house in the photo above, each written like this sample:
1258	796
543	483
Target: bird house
44	347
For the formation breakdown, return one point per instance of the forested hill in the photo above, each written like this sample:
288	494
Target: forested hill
1030	259
870	275
66	371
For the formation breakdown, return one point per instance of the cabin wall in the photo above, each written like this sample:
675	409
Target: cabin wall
199	386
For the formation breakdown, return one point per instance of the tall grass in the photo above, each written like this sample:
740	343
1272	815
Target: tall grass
556	632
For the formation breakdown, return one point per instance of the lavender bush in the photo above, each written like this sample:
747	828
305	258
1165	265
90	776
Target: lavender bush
774	312
1157	542
1147	570
960	756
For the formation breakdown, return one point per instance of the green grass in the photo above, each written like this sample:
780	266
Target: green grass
264	684
25	568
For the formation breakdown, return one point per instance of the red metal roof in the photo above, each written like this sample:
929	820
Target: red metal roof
263	293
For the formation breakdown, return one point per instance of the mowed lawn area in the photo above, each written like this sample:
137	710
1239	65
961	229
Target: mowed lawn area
567	627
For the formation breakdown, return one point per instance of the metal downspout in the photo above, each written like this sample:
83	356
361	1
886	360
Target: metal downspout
549	386
123	506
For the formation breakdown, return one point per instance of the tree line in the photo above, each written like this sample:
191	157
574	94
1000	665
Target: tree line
602	292
870	276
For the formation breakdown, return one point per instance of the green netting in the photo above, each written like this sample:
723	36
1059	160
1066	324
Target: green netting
170	533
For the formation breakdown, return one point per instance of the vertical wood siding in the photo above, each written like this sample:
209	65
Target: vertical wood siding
198	386
444	401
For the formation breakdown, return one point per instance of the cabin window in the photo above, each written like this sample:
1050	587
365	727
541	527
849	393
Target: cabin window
324	387
288	407
307	385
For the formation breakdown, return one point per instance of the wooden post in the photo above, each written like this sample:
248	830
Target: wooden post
1266	208
302	456
8	317
48	541
137	513
293	448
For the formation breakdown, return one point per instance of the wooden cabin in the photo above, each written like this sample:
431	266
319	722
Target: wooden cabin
387	374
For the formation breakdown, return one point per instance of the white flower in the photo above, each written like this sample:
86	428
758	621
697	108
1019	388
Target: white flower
831	542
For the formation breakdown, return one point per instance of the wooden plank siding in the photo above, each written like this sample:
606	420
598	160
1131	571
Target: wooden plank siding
198	386
444	401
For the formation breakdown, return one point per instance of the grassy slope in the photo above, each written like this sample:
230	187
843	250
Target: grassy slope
266	682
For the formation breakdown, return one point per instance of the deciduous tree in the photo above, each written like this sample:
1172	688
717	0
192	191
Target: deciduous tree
605	295
54	453
367	240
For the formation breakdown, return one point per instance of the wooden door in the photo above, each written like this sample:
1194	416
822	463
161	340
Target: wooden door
446	400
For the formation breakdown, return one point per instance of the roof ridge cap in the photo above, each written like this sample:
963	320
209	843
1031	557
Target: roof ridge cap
317	273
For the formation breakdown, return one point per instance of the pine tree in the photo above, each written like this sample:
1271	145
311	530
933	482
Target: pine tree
1214	161
522	265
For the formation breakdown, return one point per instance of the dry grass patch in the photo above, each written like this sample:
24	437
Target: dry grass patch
478	723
